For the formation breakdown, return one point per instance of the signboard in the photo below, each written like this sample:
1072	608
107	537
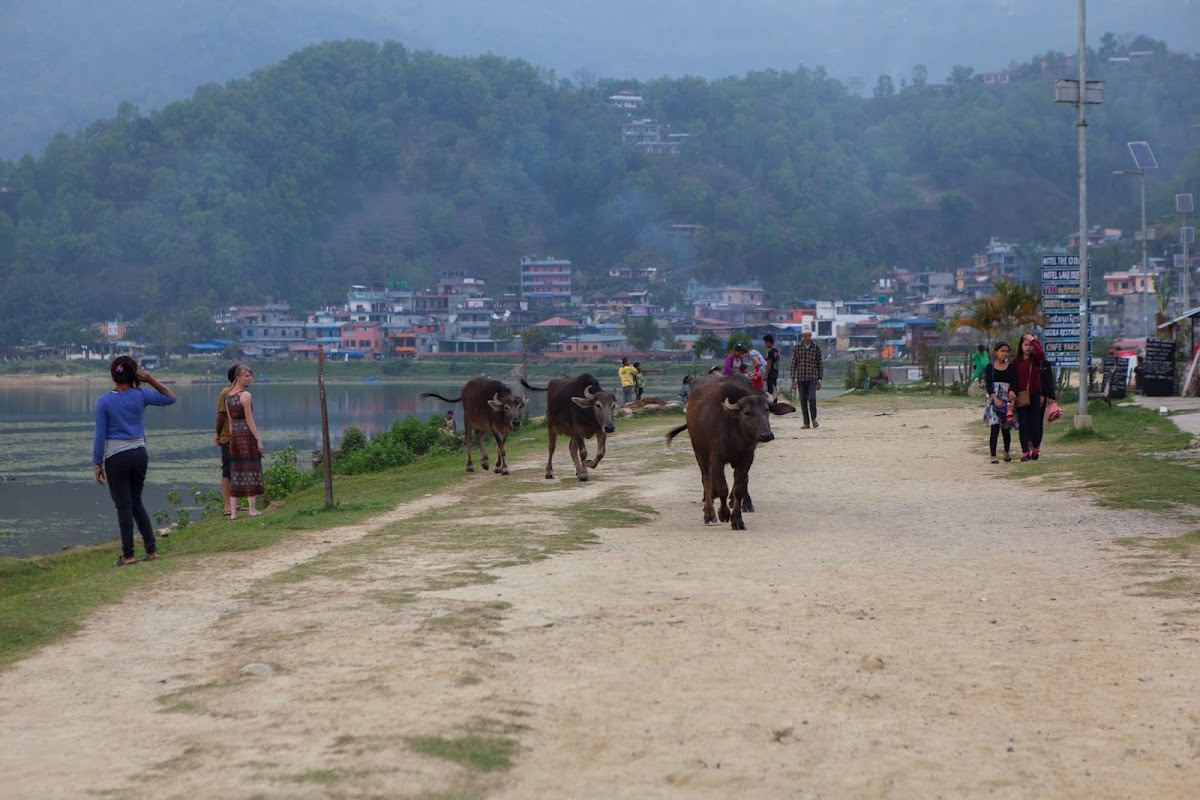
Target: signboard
1067	359
1058	347
1064	334
1116	371
1062	319
1060	305
1158	368
1064	352
1060	275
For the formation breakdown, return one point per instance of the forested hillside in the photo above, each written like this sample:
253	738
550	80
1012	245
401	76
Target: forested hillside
352	162
68	62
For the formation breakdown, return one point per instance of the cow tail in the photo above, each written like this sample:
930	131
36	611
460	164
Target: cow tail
533	388
675	432
439	397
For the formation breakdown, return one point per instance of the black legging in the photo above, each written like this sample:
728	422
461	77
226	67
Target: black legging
996	431
1030	420
126	475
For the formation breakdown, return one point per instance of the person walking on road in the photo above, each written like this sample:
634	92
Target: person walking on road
808	369
1028	374
998	414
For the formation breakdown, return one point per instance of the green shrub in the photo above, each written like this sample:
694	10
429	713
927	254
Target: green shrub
402	444
353	440
284	476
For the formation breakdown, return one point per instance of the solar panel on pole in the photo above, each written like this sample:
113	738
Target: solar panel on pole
1183	203
1142	155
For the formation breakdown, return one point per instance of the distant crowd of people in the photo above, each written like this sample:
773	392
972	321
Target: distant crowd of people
759	369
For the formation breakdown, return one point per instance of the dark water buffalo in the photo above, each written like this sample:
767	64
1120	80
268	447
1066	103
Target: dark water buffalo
726	420
489	406
577	407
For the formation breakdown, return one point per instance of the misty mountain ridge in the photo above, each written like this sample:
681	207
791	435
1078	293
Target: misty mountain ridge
68	63
351	162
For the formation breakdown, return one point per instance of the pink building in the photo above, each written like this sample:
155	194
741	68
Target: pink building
364	337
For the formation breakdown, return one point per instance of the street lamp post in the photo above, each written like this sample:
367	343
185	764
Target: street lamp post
1183	207
1145	275
1144	159
1141	175
1082	93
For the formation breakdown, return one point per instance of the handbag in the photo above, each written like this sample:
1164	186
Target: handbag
1053	412
1023	396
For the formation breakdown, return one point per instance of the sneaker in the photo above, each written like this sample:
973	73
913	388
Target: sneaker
805	426
816	424
1033	454
995	460
1025	456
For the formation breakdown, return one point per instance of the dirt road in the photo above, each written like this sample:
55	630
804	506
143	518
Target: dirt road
896	622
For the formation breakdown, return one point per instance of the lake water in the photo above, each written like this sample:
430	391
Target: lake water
46	430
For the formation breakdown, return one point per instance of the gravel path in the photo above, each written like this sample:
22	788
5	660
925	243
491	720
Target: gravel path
896	622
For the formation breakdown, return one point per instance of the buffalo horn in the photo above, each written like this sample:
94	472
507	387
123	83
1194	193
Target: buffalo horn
728	405
587	393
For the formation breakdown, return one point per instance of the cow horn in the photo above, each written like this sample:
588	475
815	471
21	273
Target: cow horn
728	406
587	393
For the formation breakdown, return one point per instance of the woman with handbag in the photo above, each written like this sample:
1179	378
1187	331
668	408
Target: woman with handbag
1028	369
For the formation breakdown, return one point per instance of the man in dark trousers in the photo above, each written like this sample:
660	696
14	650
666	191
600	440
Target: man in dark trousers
772	364
807	371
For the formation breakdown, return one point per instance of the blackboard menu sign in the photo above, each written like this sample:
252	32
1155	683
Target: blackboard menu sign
1158	368
1116	371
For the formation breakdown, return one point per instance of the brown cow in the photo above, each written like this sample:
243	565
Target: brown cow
577	407
726	420
489	406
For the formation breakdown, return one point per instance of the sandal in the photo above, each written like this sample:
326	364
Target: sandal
1007	458
995	460
121	562
150	557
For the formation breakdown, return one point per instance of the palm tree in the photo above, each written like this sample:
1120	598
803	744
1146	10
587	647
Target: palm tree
708	342
1010	307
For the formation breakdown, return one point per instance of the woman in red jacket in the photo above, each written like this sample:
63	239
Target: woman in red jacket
1028	368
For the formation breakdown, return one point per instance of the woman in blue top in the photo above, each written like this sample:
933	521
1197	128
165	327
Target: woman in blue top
119	449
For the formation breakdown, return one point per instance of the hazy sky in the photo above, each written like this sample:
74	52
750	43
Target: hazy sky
64	63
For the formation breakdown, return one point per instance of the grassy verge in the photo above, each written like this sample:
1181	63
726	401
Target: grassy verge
46	598
1121	462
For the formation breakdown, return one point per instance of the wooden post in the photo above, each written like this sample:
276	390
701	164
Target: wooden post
326	457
